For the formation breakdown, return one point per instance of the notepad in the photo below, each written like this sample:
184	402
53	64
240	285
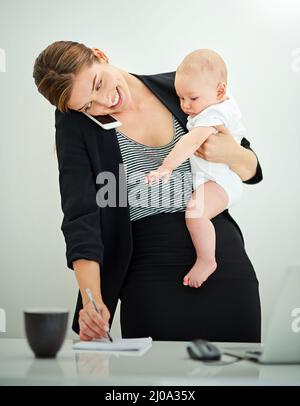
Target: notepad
121	344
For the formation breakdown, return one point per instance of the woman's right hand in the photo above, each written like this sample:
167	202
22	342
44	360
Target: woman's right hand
93	324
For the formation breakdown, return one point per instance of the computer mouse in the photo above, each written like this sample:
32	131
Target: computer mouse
203	350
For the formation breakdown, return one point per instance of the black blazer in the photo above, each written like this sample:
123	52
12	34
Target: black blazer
102	234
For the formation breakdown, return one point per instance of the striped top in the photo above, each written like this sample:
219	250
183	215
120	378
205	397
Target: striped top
139	160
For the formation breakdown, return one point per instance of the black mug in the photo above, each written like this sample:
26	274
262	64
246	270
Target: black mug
45	330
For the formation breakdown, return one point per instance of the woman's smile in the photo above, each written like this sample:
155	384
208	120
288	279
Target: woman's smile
117	100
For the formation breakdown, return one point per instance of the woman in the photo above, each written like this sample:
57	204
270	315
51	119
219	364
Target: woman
142	251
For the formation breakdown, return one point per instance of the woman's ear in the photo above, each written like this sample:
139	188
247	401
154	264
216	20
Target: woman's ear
100	54
221	90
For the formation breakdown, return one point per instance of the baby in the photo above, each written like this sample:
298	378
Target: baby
200	83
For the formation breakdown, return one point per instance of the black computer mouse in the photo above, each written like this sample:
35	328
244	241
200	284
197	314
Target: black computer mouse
203	350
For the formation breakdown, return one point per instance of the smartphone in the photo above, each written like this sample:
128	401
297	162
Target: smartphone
107	122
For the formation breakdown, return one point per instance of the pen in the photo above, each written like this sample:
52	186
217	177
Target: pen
91	297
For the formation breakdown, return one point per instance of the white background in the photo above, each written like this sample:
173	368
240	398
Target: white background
259	40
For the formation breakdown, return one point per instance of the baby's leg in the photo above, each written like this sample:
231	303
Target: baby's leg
206	202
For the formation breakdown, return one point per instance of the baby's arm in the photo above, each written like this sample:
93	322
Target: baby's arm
183	149
186	146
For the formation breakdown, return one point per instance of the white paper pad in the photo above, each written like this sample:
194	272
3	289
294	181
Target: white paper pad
119	344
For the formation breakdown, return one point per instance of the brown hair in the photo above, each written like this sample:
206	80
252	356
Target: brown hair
55	68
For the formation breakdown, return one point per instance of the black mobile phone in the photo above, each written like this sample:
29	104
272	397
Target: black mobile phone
107	122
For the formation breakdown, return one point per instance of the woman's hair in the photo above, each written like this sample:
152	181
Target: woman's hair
55	69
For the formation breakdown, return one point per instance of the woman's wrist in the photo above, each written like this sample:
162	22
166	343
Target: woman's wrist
86	299
243	162
236	155
87	273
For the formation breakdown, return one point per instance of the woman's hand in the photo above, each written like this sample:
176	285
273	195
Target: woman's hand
220	147
223	148
93	324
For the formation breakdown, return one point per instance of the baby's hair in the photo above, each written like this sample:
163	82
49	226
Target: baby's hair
207	61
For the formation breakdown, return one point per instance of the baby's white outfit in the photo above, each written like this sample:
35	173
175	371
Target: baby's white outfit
226	113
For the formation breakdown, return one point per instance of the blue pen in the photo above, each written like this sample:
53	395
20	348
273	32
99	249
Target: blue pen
91	297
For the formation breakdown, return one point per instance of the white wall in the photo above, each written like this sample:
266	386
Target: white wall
257	39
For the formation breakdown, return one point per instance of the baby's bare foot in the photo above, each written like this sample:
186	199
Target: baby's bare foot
199	273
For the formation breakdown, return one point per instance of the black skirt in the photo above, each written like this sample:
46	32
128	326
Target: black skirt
154	301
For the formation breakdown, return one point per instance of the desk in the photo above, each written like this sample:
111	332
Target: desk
165	363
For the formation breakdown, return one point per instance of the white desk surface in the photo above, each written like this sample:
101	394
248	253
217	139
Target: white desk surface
165	363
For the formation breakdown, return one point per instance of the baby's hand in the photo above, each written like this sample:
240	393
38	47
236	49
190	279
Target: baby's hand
161	173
